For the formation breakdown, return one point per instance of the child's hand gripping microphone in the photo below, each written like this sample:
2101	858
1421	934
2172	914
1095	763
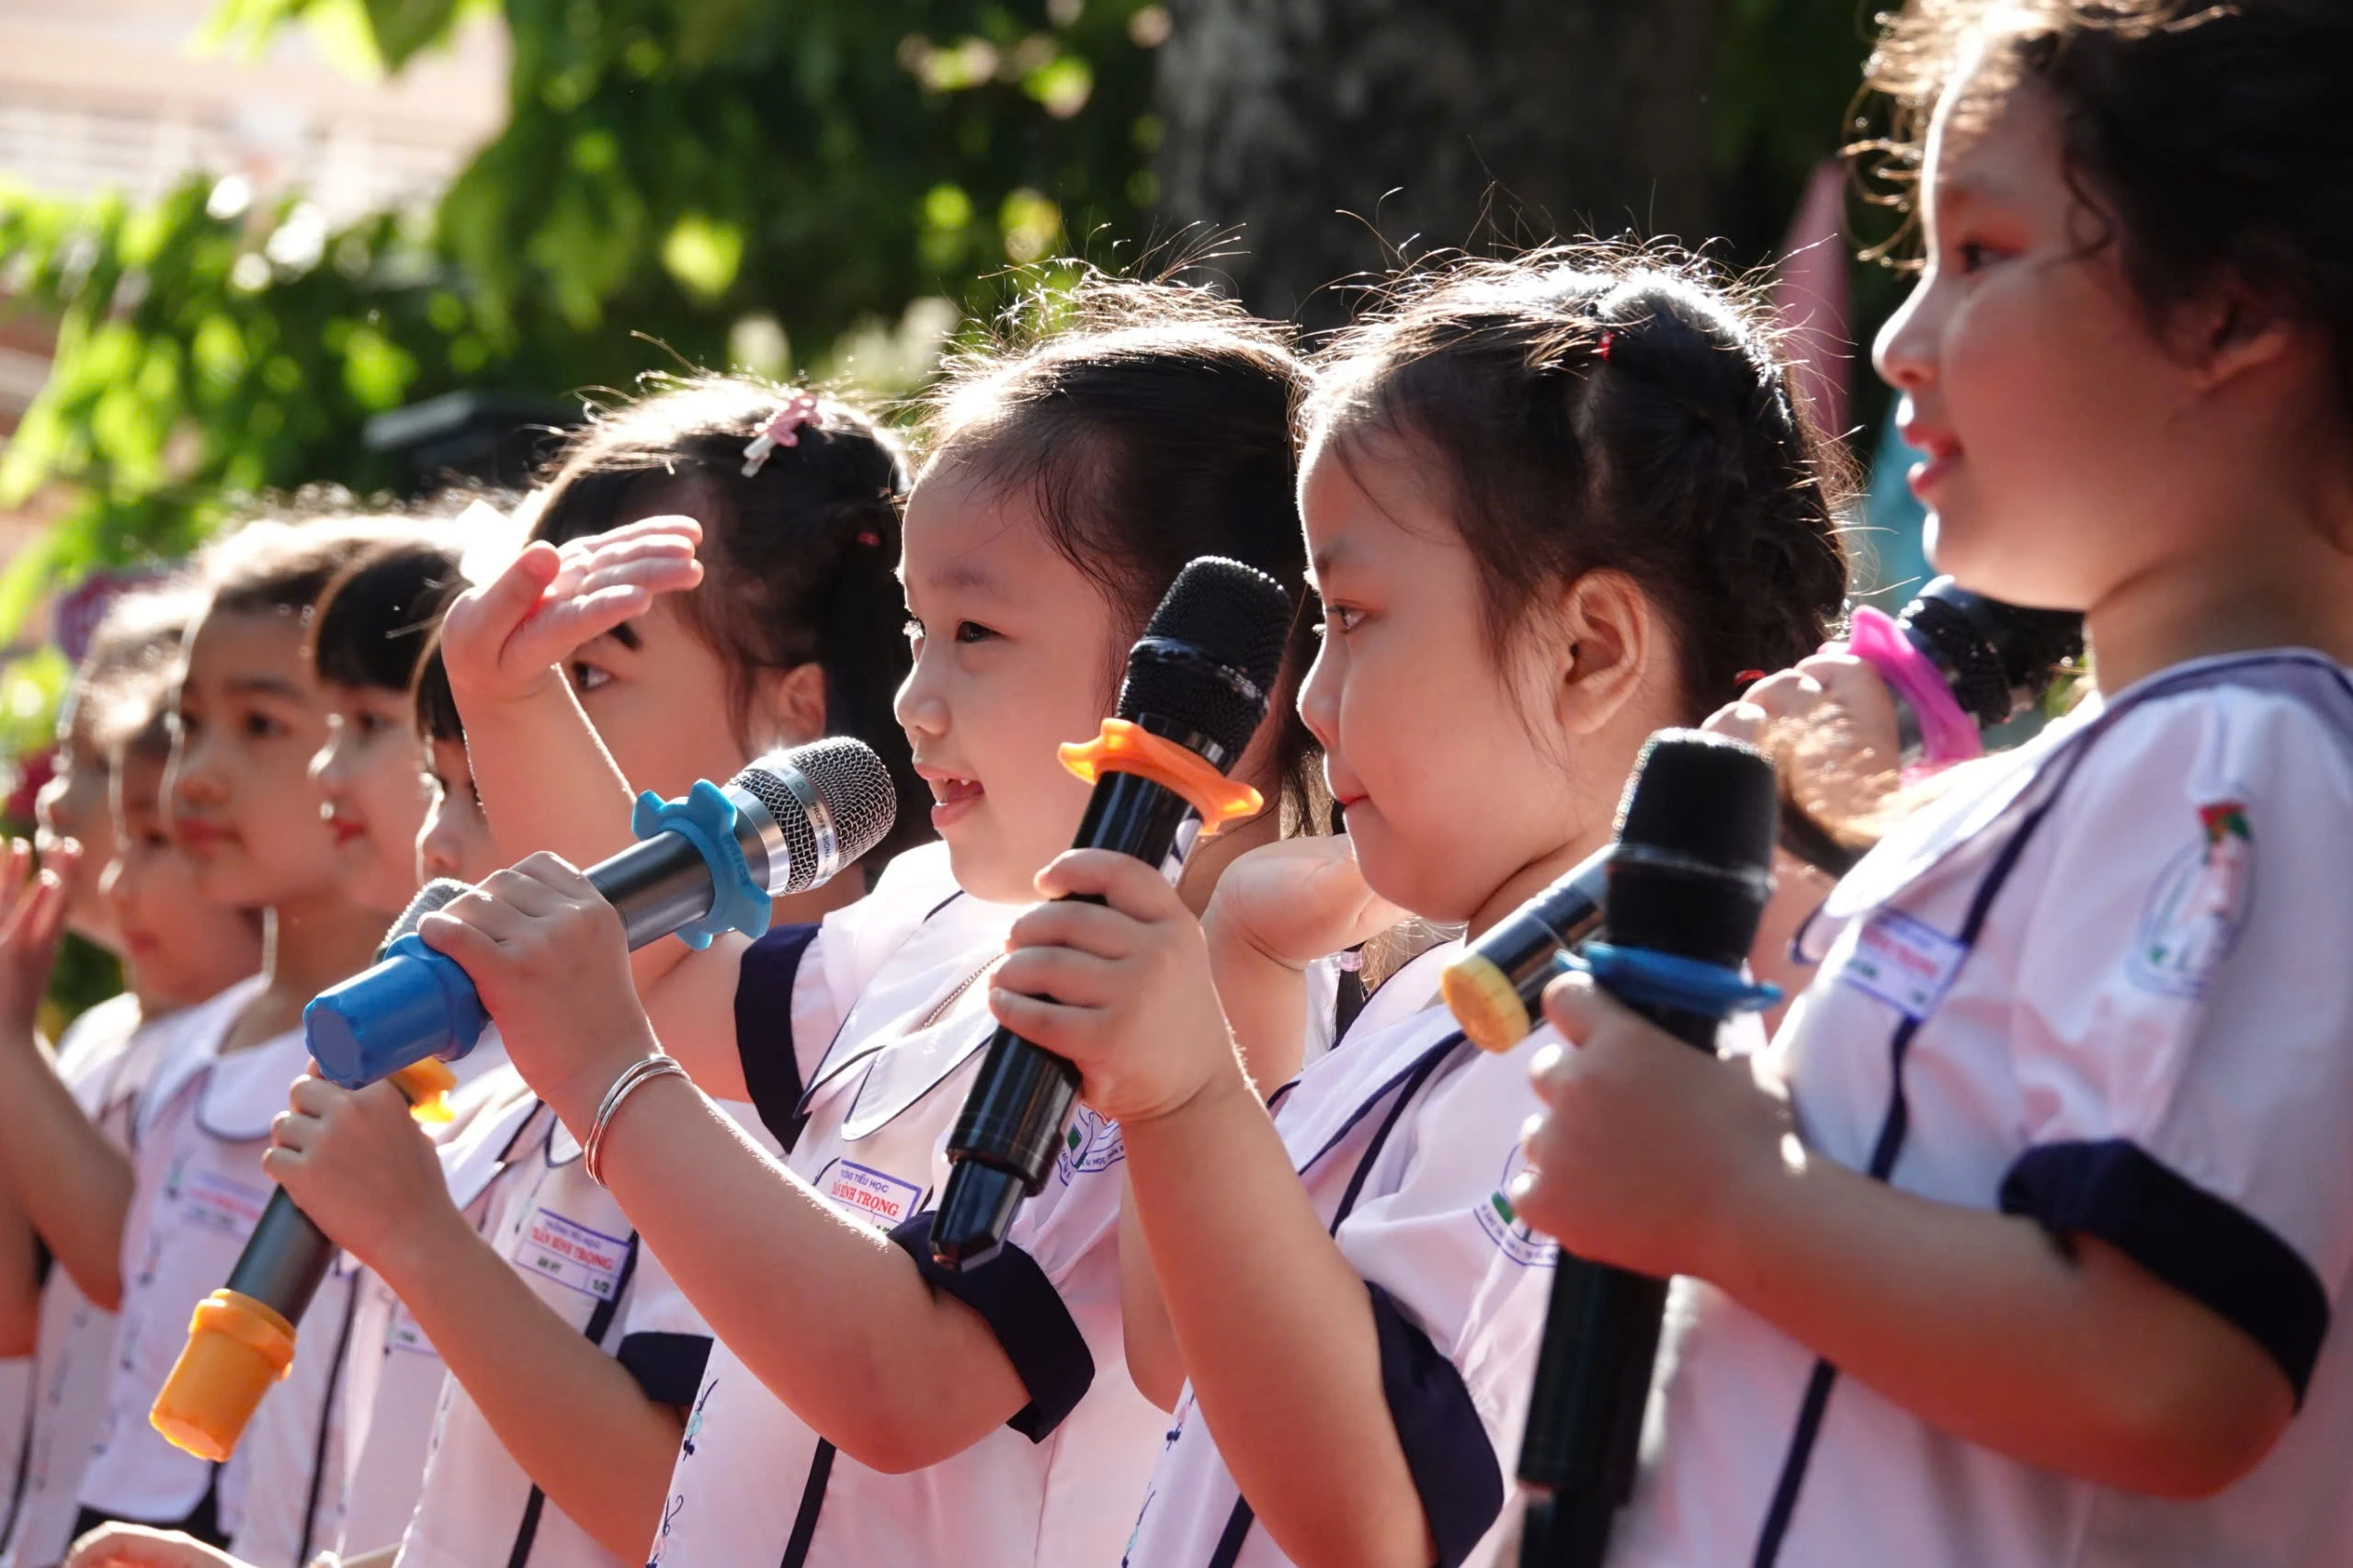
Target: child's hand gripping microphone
706	864
1197	688
242	1337
1953	659
1687	887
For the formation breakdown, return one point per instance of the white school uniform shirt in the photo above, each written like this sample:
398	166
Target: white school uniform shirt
1406	1138
567	1236
1056	1486
105	1059
197	1189
2104	986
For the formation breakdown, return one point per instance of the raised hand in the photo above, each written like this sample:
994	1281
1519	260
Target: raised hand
502	640
32	919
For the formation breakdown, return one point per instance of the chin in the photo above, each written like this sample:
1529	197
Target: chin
982	871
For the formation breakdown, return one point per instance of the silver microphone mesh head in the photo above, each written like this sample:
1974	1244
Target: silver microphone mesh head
832	800
429	897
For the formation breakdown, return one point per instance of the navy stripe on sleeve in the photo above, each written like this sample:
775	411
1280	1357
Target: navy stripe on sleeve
2200	1244
1026	1314
1448	1452
668	1367
764	1027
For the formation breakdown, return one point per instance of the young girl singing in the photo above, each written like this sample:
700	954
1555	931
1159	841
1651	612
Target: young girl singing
1551	506
864	1406
2023	1246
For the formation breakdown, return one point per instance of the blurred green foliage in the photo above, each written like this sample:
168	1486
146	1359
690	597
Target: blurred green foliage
709	180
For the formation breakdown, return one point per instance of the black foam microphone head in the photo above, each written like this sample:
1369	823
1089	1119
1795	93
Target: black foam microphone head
832	799
430	897
1995	657
1694	862
1211	653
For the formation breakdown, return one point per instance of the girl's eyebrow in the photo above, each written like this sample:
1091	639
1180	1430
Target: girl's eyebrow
265	686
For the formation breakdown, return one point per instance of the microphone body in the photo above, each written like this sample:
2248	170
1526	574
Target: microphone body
708	863
1197	687
241	1338
1689	880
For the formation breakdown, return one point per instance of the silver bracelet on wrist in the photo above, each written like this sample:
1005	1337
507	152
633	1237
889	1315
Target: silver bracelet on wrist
633	1077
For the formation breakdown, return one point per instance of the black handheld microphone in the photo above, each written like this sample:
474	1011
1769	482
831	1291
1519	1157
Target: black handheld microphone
708	863
1690	879
242	1336
1197	687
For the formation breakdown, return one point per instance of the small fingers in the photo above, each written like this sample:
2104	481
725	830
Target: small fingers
1089	927
1124	882
1074	979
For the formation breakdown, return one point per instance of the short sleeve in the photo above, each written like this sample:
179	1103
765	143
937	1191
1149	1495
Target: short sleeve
1052	1297
663	1342
1459	1290
2182	1026
782	1026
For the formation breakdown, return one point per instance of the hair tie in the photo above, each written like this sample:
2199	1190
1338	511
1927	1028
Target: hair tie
1608	342
869	539
783	429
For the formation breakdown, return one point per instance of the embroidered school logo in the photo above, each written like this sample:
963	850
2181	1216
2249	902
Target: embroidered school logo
2194	917
1090	1143
1507	1230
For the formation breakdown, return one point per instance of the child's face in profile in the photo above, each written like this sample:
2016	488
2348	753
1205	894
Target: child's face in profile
73	805
1014	649
455	839
376	793
244	807
177	947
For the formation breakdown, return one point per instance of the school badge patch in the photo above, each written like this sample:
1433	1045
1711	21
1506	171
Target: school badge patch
1090	1143
1507	1230
2194	917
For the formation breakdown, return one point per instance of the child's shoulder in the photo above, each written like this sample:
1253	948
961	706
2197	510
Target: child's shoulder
2276	724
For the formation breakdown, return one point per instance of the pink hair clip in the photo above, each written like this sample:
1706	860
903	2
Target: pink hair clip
1608	342
782	430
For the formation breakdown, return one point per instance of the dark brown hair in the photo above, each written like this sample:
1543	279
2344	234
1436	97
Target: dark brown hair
1607	407
2209	139
375	619
800	555
1150	423
269	567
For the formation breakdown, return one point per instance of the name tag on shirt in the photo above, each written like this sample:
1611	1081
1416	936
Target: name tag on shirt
1904	963
870	1193
571	1254
221	1203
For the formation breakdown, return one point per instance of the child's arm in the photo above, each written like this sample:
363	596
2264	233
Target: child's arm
71	1180
1275	910
1292	1387
2072	1357
359	1168
832	1315
545	780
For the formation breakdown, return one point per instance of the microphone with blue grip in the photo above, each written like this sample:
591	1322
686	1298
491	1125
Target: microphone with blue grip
707	864
1680	906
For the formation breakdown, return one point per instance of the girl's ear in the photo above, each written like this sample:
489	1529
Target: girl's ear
2230	330
788	707
1609	635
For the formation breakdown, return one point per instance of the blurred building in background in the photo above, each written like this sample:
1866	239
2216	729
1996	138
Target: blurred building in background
121	94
